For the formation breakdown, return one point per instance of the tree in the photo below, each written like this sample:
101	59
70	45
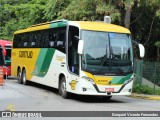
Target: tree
19	15
81	10
54	7
158	15
140	16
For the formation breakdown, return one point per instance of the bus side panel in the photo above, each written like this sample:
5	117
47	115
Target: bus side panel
56	67
14	62
24	59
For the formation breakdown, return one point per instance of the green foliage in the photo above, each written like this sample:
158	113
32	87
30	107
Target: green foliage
9	28
158	13
144	89
17	15
82	10
54	7
79	10
157	43
104	8
140	16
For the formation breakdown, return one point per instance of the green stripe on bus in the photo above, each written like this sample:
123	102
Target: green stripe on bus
121	80
43	62
58	24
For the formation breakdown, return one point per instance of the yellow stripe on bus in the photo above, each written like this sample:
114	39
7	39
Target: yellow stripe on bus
100	26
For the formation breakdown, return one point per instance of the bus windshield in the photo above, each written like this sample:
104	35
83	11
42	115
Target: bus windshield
107	53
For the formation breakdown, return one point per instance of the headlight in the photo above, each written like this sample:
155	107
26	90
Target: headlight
88	79
128	81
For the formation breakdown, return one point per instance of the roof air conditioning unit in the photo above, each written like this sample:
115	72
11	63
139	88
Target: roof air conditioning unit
107	19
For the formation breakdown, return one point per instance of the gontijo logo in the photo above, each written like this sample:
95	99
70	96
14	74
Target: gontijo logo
26	54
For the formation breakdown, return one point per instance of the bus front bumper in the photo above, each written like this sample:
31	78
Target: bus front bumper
86	88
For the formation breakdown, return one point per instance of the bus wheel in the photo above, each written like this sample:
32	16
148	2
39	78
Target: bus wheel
62	88
19	77
24	77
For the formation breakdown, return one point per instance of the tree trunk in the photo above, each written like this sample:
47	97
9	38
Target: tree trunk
158	52
127	19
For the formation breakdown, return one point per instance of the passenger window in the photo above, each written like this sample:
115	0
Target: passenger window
51	43
52	36
61	40
25	44
33	44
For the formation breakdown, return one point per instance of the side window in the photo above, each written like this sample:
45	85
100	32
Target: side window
41	38
52	37
57	38
25	44
25	41
15	41
34	42
61	39
44	38
21	40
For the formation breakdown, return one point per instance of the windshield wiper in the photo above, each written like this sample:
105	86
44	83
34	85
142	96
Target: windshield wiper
102	62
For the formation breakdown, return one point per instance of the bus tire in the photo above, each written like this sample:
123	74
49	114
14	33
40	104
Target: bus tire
62	89
19	77
24	77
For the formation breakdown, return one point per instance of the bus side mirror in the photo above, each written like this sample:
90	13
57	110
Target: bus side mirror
80	47
141	50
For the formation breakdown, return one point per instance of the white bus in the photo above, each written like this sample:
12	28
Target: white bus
85	58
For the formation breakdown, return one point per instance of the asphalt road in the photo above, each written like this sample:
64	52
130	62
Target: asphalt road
35	97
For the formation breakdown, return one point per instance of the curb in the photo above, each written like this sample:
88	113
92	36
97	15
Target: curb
146	97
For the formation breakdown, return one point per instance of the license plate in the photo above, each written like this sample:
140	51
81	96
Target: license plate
109	89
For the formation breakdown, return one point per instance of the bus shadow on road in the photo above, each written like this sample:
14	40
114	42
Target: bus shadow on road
94	99
10	78
43	87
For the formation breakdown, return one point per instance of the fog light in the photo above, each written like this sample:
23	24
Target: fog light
84	89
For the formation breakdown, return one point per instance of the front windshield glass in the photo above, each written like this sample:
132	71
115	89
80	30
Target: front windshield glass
107	53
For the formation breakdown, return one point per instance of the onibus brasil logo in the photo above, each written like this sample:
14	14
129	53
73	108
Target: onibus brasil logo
11	112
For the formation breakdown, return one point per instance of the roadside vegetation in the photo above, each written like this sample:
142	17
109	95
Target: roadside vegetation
145	89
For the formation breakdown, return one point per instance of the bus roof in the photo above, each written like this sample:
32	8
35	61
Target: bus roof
41	26
5	43
85	25
101	26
